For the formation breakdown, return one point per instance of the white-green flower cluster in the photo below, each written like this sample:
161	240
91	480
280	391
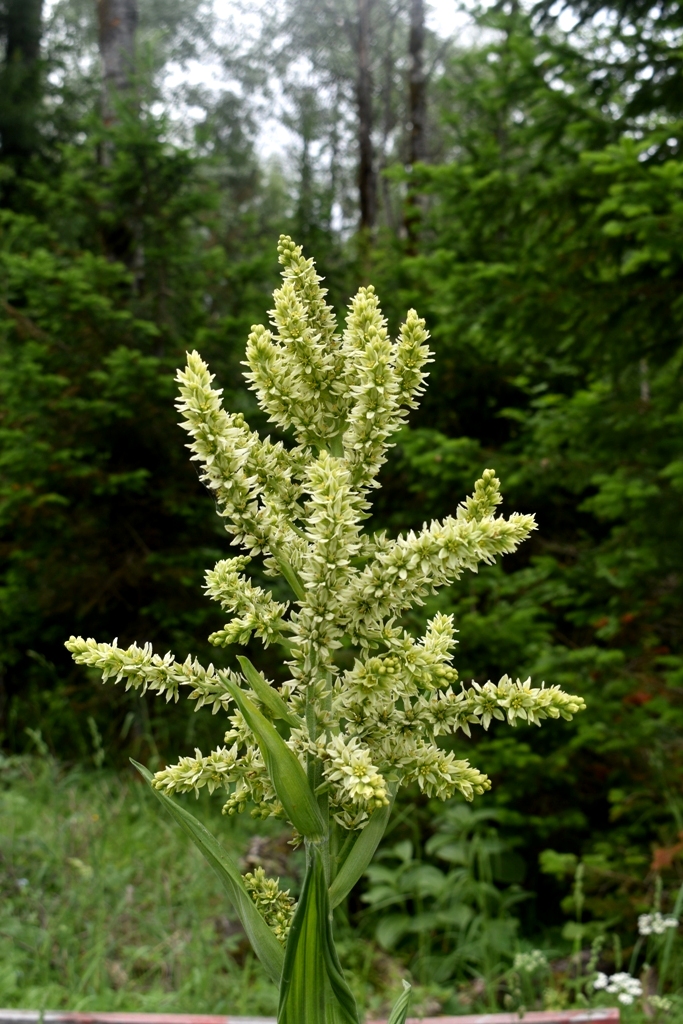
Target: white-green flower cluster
275	904
656	923
621	984
661	1003
143	670
360	727
255	611
530	962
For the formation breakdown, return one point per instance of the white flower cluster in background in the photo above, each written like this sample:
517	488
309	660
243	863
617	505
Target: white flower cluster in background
365	702
621	984
530	962
656	923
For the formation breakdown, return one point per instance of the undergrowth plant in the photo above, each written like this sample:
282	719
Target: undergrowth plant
104	907
646	972
364	703
454	918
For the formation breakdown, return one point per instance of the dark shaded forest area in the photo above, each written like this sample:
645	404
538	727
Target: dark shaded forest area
522	187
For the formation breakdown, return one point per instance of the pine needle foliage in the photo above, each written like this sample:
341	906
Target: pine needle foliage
364	702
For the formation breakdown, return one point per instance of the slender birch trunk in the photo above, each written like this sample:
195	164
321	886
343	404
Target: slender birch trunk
117	21
367	178
417	117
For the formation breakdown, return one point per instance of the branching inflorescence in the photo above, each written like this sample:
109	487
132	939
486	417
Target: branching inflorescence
359	727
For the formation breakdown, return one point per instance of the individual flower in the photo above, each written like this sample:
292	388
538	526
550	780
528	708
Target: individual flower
485	701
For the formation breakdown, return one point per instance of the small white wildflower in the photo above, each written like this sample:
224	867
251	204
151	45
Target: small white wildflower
621	984
656	923
530	962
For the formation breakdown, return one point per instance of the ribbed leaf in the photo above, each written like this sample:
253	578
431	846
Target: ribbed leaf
313	988
362	851
267	695
285	771
265	945
400	1010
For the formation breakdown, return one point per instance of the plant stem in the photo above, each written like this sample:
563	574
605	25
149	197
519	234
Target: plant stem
668	943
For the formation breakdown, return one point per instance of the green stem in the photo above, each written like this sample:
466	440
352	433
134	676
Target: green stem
334	849
345	850
668	943
314	770
324	798
634	956
288	572
337	445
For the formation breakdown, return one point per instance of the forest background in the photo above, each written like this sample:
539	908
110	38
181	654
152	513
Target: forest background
520	184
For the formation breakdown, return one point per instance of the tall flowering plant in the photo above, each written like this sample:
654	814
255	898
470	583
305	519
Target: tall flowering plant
364	702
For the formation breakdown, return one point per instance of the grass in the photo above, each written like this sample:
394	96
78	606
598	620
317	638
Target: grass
106	906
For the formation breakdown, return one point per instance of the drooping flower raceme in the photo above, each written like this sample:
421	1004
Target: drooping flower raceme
363	705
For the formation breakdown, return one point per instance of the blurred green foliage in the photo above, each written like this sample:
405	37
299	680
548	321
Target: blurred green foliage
451	901
115	271
550	276
105	905
549	271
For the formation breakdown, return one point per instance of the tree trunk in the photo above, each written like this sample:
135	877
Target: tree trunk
118	21
20	80
389	120
417	116
417	85
367	179
306	127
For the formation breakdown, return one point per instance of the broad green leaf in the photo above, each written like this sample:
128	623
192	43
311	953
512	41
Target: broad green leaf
265	945
362	852
285	771
313	988
391	928
400	1010
267	695
425	880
